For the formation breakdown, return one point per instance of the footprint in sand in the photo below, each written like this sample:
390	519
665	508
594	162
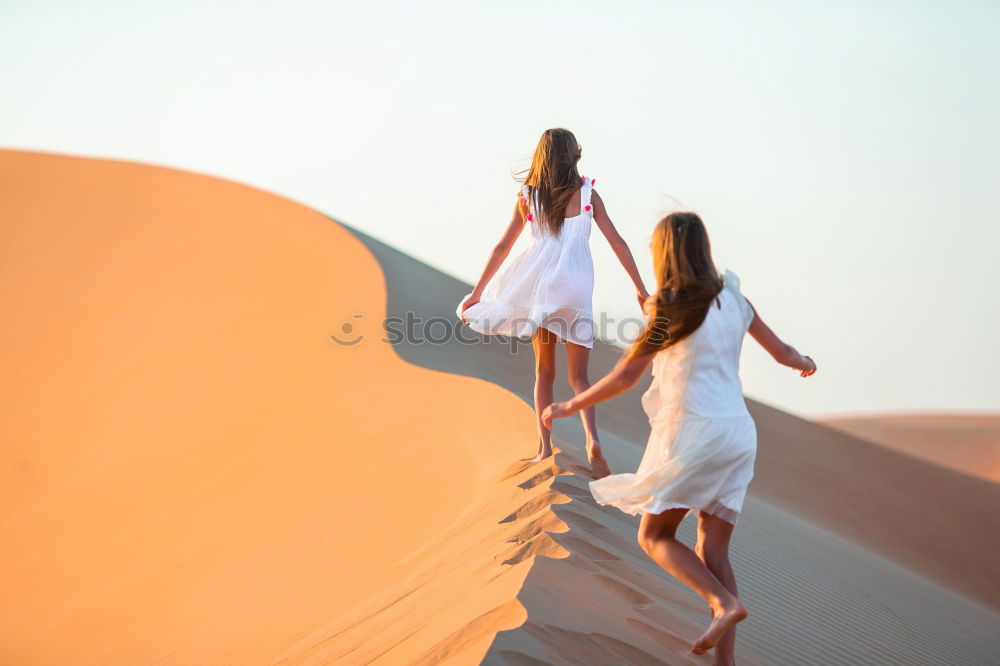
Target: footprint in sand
623	591
521	466
677	644
572	490
582	471
538	479
536	504
548	522
620	537
543	545
658	584
577	519
586	549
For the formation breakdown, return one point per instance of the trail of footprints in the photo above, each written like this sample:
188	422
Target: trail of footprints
607	559
559	519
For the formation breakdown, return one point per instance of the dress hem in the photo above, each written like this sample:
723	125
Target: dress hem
526	325
655	507
529	333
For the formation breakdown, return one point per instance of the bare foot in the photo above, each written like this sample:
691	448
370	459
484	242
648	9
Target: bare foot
543	453
598	463
721	623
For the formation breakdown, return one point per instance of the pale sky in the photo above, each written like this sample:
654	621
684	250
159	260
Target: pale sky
844	155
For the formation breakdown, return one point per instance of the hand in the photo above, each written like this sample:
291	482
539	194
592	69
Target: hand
556	410
642	297
807	366
649	306
468	304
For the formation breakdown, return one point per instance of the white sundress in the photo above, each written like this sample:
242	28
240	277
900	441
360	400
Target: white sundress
703	441
550	285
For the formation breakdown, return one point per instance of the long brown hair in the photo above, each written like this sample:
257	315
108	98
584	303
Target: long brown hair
687	282
552	179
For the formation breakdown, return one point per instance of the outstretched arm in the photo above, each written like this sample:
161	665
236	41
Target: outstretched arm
619	246
499	253
622	378
783	353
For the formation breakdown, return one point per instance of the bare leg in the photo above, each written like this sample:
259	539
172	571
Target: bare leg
577	359
658	537
544	344
713	550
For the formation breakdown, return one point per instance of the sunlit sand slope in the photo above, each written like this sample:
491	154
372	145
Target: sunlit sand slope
847	553
196	473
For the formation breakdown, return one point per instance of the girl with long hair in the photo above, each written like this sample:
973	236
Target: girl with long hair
703	441
546	292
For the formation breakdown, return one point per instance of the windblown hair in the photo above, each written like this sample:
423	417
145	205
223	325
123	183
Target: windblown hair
553	179
687	282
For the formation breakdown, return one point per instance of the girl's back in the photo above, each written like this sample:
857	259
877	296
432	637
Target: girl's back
546	292
699	376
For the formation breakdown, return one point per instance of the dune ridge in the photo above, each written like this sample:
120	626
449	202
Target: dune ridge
457	591
900	507
196	473
847	553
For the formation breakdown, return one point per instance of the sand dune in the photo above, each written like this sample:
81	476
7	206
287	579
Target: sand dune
198	474
968	443
893	504
848	553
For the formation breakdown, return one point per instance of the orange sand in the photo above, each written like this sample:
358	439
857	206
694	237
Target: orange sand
195	472
847	553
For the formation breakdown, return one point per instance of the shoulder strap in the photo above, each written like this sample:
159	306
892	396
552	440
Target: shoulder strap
585	191
525	196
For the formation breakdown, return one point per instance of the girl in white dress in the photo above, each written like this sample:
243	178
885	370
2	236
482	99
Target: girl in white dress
546	292
703	441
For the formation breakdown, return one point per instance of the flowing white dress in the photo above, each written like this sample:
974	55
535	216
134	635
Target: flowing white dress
550	285
703	441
